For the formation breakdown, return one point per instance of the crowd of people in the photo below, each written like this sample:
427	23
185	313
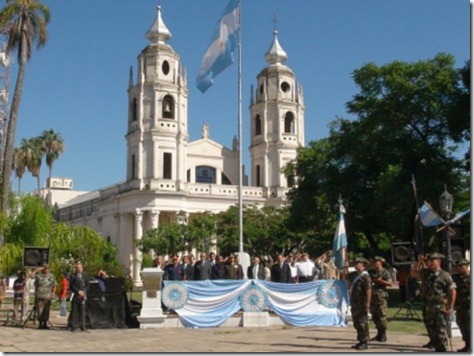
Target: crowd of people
441	292
290	269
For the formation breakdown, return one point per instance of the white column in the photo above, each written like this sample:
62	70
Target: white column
137	255
155	219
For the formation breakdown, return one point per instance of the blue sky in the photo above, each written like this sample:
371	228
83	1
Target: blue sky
77	84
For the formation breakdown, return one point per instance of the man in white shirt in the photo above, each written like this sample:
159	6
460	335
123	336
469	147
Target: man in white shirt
304	269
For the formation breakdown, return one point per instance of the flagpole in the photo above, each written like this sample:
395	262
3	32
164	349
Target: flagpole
241	219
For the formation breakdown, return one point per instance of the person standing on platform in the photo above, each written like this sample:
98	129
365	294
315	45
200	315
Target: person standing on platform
79	283
381	279
45	289
462	278
280	271
233	269
174	271
218	270
255	270
202	268
360	297
304	269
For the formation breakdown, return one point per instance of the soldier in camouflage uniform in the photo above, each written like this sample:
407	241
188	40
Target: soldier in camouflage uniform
439	298
462	278
360	295
381	279
45	288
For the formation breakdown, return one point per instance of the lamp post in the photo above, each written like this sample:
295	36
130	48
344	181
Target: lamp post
446	201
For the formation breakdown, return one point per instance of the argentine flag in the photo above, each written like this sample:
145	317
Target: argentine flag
429	217
224	41
340	240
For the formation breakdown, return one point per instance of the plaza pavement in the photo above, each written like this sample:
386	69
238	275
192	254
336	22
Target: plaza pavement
281	339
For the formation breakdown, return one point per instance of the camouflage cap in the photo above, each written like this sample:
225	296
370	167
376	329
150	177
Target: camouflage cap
361	260
435	256
463	261
379	258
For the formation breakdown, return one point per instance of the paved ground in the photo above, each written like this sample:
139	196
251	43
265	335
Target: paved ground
231	339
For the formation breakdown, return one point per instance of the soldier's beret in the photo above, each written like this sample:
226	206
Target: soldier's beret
361	260
379	258
435	256
463	261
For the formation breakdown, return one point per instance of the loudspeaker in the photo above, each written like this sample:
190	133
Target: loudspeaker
402	253
34	257
458	250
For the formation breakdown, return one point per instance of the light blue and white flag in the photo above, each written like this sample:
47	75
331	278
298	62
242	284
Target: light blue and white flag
458	216
205	304
340	240
429	217
224	41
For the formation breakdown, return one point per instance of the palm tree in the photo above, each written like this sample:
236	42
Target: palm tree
53	145
19	164
25	23
34	154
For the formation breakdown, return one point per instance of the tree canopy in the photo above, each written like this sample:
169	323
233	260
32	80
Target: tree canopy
400	130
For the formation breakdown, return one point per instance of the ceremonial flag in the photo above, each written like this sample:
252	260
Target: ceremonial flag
458	216
429	217
224	41
340	240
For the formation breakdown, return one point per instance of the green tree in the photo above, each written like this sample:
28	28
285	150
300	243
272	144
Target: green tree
400	129
53	145
19	164
31	223
33	151
25	22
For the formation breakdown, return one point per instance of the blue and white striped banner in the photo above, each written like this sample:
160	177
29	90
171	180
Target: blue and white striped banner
210	303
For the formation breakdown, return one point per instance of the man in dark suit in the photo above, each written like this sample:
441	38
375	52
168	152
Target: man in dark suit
78	285
189	268
202	268
280	271
218	269
255	270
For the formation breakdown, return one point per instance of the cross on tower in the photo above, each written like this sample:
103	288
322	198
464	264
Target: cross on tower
275	21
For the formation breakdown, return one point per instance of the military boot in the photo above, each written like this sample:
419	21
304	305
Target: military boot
382	335
362	346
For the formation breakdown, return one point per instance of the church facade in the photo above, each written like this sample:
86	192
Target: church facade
166	173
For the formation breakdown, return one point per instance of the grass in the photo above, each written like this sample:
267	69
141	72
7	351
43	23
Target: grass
402	323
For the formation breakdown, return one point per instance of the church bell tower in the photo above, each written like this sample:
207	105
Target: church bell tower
157	117
277	120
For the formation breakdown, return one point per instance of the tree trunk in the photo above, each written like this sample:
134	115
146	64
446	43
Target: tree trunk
10	137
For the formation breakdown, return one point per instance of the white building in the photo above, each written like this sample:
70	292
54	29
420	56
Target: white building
166	173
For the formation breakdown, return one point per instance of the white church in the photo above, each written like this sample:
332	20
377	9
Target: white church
166	173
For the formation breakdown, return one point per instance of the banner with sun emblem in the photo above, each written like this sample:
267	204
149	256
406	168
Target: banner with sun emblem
210	303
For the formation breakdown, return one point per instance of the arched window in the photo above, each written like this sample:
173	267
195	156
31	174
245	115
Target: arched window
168	107
258	125
205	174
289	123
